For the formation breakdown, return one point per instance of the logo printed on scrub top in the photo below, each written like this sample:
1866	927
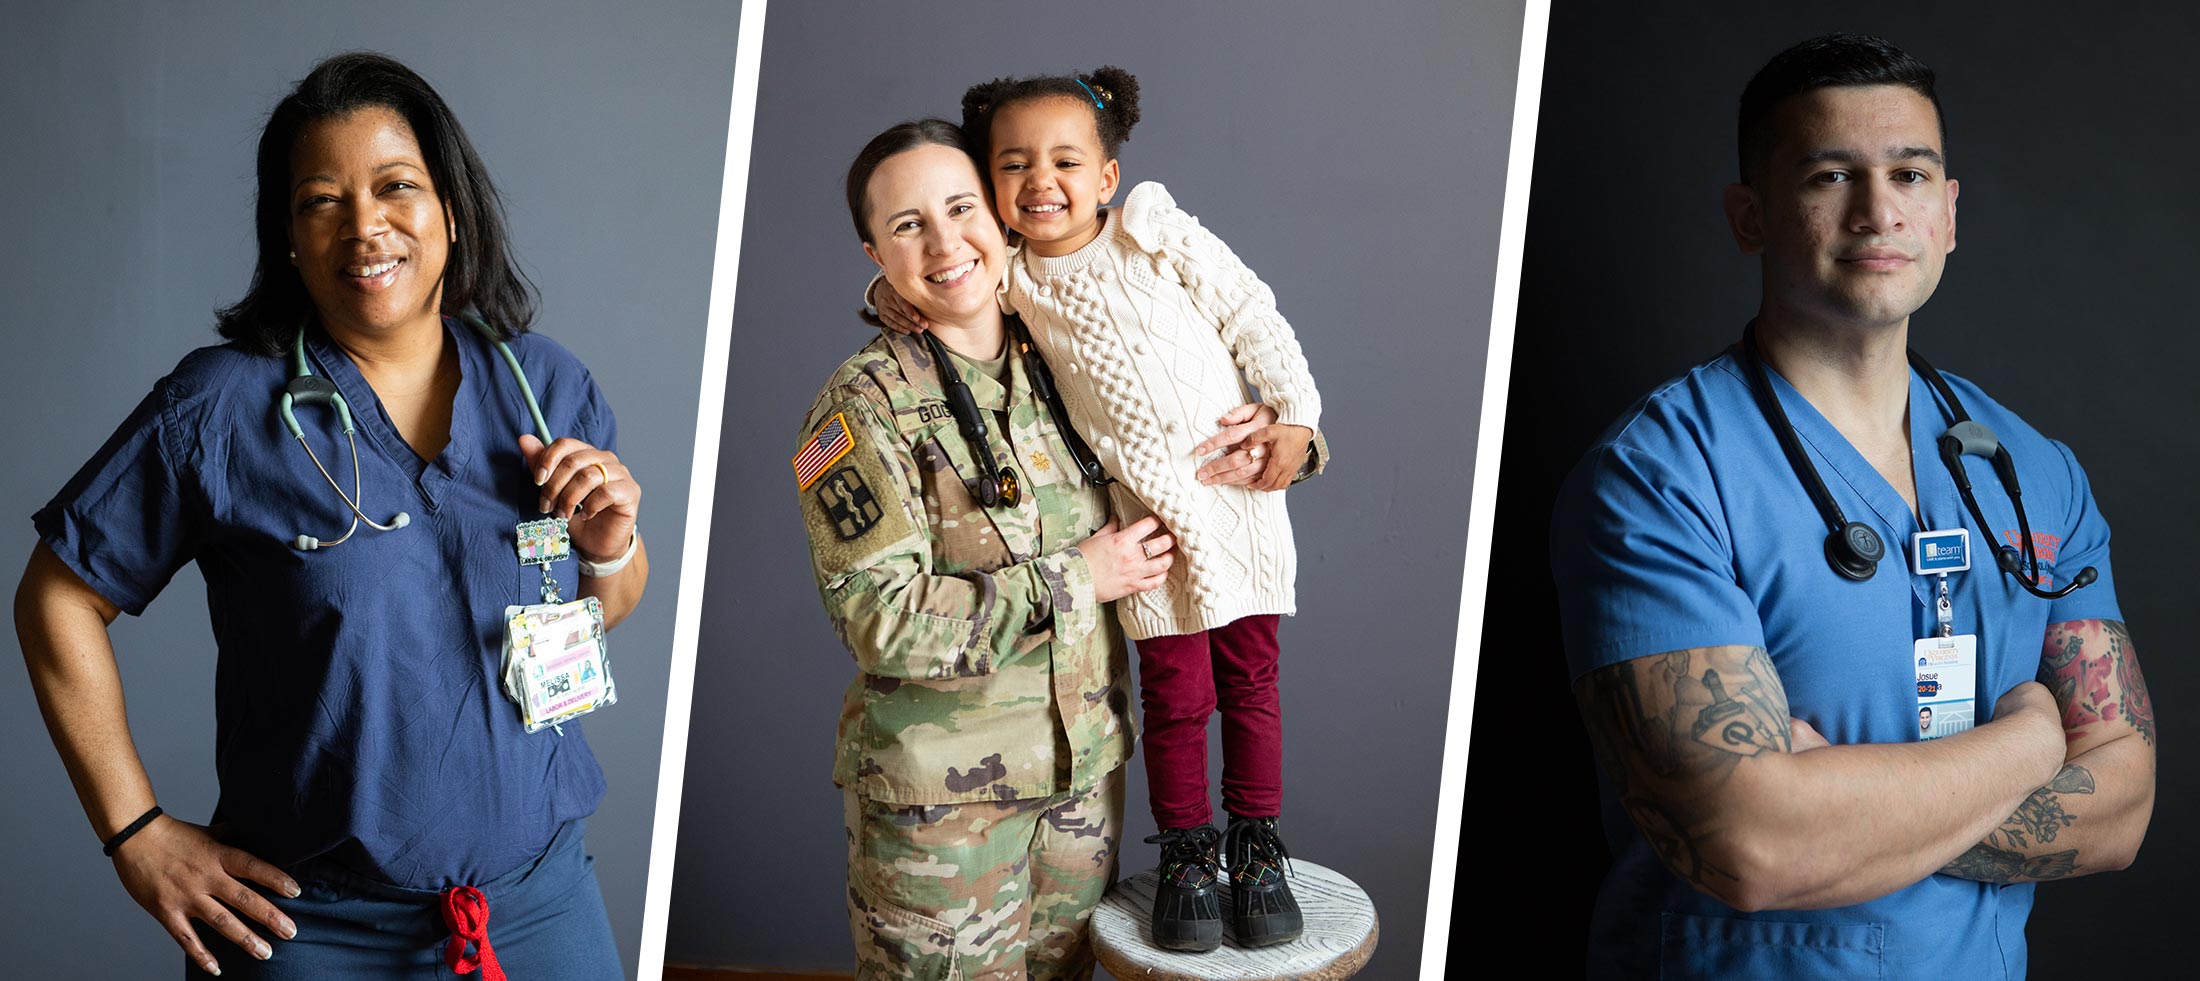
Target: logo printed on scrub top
2043	544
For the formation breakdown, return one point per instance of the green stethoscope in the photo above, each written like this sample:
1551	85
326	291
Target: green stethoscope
307	388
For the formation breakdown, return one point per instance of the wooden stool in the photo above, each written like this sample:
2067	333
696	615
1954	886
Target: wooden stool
1339	938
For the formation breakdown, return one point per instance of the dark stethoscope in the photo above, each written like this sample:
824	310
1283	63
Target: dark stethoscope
1854	549
307	388
997	485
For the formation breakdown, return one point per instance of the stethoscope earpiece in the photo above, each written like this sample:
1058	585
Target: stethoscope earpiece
1855	551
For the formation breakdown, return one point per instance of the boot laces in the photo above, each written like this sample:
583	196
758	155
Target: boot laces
1255	847
1188	853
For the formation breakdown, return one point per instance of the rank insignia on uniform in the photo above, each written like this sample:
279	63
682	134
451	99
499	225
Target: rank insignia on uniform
849	503
823	450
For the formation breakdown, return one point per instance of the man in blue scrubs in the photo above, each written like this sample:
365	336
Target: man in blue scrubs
1774	807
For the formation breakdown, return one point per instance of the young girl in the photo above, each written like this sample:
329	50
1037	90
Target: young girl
1153	329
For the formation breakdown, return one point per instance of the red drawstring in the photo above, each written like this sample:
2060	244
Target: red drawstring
466	913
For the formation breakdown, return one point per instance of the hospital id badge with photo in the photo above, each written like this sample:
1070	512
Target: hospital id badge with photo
1947	685
555	662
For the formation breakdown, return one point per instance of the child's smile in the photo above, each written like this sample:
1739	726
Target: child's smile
1050	177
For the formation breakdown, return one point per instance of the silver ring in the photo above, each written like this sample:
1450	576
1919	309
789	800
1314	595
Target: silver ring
1145	549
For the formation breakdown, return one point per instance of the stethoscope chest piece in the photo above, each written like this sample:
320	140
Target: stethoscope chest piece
1009	491
1854	550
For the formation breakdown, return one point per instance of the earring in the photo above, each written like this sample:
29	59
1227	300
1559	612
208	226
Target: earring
294	255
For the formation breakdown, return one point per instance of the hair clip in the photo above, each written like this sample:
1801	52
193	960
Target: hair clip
1096	103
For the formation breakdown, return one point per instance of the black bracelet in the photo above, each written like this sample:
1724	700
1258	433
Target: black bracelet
123	835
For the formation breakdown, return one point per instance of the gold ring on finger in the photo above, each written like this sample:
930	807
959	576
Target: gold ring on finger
599	469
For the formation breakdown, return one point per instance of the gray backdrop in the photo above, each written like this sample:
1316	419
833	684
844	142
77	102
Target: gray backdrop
2068	299
1355	156
130	132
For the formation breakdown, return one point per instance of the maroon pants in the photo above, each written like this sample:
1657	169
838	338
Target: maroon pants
1181	680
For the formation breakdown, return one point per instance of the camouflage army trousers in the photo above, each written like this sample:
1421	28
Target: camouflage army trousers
988	891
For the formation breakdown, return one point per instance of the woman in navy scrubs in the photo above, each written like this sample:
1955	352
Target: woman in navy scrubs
379	793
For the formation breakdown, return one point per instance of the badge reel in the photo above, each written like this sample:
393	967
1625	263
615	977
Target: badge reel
1947	662
555	662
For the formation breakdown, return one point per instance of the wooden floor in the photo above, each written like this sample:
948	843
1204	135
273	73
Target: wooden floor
691	972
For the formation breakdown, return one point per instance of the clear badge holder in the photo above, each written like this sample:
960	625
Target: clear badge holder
556	663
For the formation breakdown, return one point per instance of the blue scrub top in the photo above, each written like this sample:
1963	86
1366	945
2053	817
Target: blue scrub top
1685	526
358	708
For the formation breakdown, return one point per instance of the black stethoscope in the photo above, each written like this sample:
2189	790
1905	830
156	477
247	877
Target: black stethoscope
997	485
1854	549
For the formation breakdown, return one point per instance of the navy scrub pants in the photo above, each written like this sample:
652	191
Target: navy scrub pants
546	921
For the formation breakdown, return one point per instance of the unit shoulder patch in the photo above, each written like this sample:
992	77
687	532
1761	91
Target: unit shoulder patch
853	507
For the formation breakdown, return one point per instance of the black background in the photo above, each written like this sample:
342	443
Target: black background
2066	300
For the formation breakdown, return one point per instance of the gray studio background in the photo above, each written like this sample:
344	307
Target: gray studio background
131	130
1354	155
2068	299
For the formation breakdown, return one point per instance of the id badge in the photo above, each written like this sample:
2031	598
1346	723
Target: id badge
555	663
1938	553
1947	685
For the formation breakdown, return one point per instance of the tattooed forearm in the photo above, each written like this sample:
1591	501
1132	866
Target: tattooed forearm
2002	856
1985	863
1669	730
2093	671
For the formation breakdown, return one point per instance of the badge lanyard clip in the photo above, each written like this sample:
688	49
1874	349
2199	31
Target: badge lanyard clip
541	543
1945	609
1940	553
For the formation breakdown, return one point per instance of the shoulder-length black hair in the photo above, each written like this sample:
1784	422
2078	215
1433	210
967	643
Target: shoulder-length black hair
480	273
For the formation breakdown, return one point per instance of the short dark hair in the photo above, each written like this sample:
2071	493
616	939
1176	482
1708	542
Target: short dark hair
898	138
1825	61
480	273
1110	92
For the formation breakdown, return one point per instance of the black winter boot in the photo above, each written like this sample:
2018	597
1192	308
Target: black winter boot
1262	910
1187	910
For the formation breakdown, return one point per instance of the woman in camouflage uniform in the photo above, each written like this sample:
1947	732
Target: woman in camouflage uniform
981	743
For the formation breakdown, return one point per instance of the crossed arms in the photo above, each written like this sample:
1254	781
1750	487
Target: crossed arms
1755	809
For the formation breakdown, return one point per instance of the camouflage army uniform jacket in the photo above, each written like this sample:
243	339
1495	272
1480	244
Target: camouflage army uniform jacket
986	669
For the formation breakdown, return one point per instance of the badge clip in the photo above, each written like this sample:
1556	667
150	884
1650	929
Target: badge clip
1935	553
541	543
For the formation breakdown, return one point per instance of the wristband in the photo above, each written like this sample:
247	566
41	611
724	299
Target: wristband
599	570
108	848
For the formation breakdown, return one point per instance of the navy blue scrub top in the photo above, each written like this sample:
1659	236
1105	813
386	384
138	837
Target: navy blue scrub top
1685	526
357	704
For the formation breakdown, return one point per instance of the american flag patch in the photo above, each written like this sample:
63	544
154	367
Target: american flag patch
829	445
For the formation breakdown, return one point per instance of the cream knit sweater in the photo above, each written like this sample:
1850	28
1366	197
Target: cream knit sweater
1147	329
